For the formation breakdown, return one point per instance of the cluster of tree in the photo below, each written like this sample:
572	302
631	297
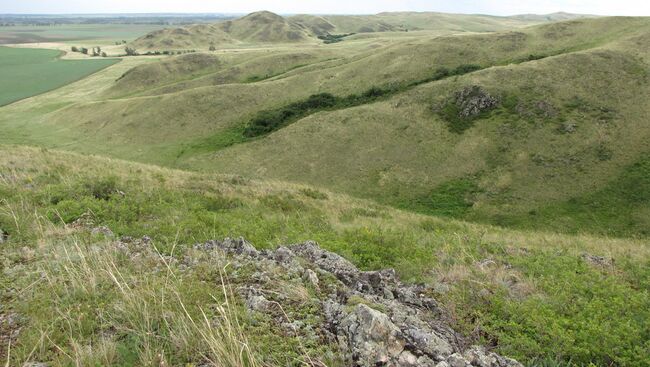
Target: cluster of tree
130	51
334	38
96	51
122	42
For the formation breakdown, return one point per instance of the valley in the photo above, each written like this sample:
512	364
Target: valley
500	163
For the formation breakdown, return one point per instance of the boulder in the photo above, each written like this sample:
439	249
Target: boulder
372	338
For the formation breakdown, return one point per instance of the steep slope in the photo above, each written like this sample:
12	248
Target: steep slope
255	28
114	263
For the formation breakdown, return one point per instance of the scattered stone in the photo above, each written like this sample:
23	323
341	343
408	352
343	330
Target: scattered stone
102	230
545	109
387	324
232	246
258	303
568	127
473	100
597	260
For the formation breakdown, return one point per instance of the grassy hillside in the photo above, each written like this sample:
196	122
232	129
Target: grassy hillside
77	297
567	128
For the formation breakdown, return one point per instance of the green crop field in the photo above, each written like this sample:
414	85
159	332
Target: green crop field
73	32
28	72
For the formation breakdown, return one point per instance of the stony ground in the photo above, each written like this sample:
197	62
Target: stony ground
373	318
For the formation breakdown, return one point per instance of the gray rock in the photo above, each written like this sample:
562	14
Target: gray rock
328	261
233	246
403	328
102	230
477	356
597	260
568	127
3	236
457	360
429	342
373	339
258	303
473	100
35	364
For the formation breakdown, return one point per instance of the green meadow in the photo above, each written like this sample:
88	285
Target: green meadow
27	72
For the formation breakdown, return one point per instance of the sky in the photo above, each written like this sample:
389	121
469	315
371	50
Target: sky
494	7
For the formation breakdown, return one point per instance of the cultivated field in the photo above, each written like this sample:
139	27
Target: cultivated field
27	72
98	33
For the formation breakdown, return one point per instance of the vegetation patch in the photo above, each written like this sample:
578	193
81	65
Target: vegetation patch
334	38
450	199
268	121
618	209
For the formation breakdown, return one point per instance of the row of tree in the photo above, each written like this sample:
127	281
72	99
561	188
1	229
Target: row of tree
129	51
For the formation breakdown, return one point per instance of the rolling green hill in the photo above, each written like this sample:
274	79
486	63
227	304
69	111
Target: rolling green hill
568	124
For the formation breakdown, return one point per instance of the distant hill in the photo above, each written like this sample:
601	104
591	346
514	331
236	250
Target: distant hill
413	21
259	27
267	27
553	17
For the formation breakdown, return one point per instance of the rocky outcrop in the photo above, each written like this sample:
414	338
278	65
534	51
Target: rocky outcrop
375	319
474	100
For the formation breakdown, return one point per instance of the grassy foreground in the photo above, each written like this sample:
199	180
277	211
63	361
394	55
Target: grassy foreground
542	298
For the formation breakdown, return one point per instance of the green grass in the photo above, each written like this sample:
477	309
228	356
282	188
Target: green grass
618	209
538	300
28	72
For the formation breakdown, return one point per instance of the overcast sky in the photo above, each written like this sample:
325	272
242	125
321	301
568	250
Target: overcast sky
495	7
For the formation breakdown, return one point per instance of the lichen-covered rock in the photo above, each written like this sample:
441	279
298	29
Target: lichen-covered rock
372	338
373	318
237	246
